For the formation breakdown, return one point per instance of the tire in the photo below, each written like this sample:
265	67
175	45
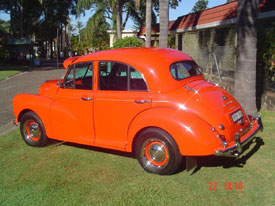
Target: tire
157	152
32	130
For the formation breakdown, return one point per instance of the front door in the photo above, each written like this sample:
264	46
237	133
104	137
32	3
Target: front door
121	95
72	108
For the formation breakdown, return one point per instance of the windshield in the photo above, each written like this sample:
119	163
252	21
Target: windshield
184	69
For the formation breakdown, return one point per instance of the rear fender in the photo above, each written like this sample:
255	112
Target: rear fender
38	104
192	134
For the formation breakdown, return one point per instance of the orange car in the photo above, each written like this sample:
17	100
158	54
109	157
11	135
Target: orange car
150	101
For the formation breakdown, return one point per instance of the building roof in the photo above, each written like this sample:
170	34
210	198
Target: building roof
155	28
222	14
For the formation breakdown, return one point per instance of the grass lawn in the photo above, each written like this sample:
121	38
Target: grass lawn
68	174
6	71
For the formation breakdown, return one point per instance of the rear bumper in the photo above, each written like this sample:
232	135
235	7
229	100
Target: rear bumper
240	142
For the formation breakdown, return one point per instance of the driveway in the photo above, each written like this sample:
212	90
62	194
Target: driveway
26	82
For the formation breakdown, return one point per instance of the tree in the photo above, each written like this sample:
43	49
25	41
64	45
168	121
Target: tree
95	33
245	75
79	26
148	22
139	15
24	15
163	23
200	5
110	9
118	18
52	21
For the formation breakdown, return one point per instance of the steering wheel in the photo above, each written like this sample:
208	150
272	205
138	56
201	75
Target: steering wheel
69	83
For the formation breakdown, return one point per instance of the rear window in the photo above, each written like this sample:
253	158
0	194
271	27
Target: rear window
184	69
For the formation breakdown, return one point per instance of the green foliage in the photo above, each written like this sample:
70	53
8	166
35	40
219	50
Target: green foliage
266	52
127	42
95	33
4	26
172	42
200	5
4	29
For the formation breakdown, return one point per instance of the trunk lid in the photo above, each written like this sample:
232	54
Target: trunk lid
216	106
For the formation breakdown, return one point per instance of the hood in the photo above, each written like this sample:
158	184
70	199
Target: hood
215	106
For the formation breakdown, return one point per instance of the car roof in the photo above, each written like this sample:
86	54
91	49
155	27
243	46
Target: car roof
153	63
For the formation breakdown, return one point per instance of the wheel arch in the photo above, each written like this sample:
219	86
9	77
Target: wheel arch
139	132
200	140
40	105
24	111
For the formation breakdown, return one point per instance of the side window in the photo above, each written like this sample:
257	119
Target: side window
113	76
117	76
80	76
137	82
184	69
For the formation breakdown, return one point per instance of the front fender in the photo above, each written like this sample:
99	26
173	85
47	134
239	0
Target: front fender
192	134
38	104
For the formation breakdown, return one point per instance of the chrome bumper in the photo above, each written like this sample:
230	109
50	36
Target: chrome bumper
237	148
15	122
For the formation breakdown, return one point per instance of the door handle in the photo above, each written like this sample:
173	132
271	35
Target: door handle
86	98
143	101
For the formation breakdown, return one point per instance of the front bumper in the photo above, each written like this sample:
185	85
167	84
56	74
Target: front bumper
237	148
15	122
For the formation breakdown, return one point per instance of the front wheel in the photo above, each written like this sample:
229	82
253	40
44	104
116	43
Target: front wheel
32	130
157	152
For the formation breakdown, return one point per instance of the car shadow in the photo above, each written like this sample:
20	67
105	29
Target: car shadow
92	148
225	162
196	162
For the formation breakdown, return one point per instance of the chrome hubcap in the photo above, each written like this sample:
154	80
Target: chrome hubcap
157	153
31	130
34	130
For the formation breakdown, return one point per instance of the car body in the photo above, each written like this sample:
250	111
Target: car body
151	101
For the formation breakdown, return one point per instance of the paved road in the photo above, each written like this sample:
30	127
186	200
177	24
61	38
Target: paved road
26	82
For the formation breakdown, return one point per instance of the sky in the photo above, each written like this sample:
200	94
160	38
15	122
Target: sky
184	8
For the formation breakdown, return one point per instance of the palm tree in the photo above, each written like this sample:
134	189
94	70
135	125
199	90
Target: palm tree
118	19
111	9
163	23
148	22
79	27
245	75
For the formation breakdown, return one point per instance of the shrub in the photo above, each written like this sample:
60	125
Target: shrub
266	53
127	42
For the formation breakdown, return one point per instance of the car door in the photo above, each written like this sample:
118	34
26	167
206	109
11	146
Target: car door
72	108
121	95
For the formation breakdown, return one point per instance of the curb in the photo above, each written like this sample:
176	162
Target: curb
14	75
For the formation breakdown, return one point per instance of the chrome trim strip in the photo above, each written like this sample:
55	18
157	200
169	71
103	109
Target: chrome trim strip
115	100
164	101
191	89
143	101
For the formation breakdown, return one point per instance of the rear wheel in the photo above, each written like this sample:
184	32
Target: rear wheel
32	130
157	152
